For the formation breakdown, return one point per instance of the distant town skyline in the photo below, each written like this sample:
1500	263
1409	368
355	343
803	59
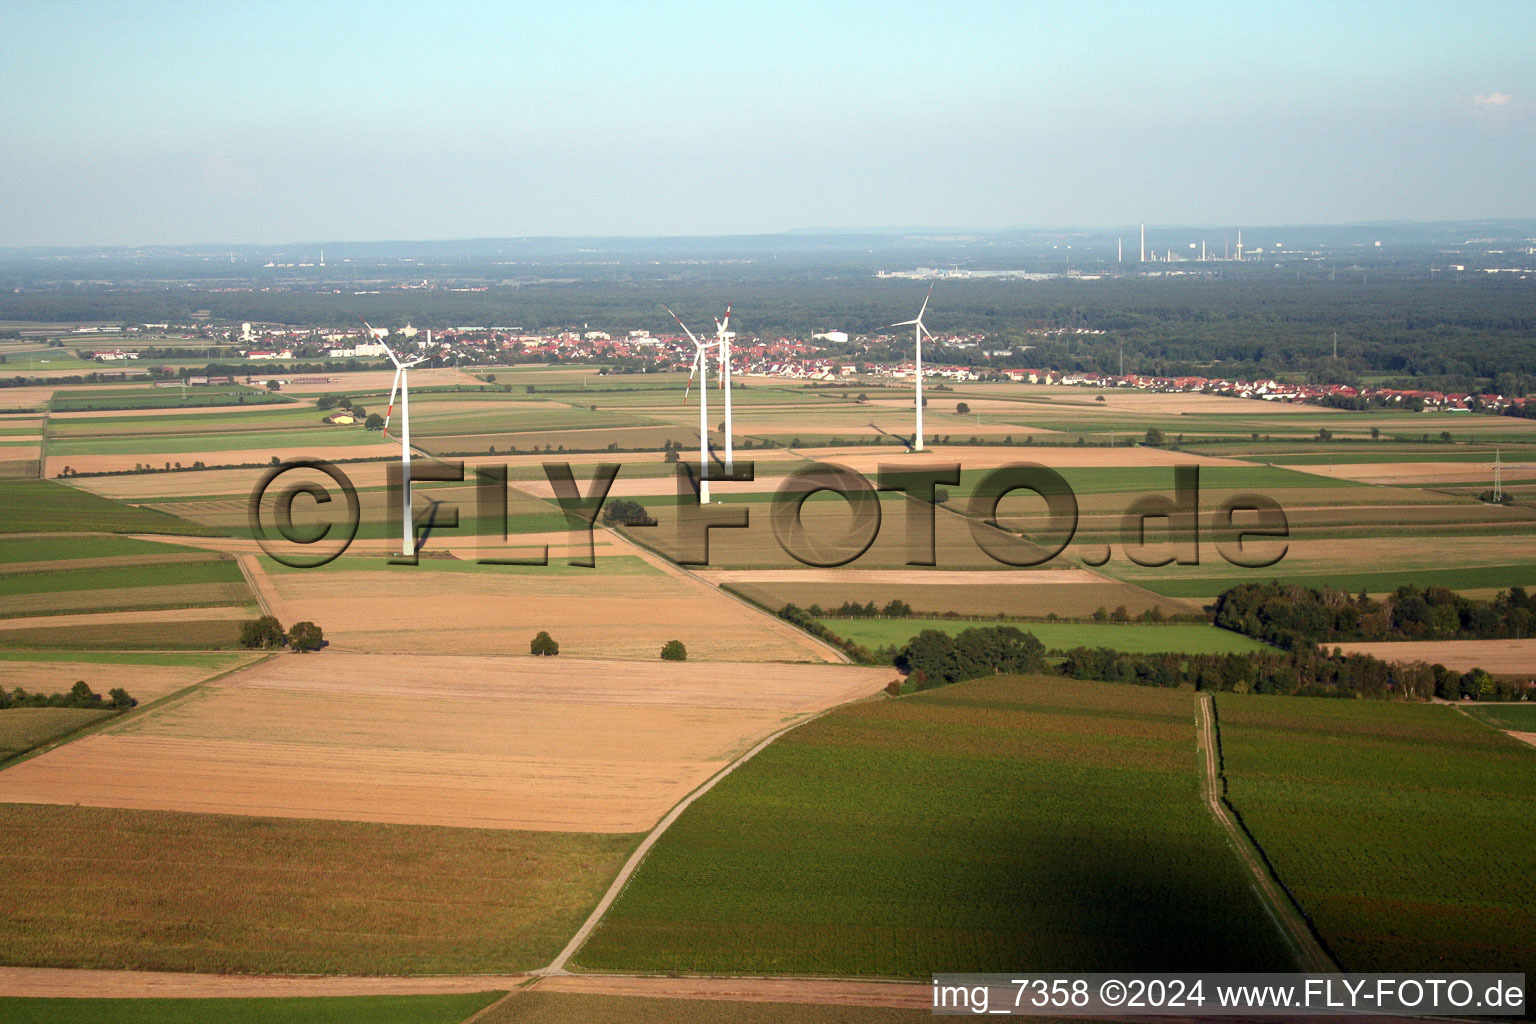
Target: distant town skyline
177	123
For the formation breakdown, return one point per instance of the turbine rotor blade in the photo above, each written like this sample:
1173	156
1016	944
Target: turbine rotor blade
393	388
683	326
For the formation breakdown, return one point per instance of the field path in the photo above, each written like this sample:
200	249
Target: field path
257	580
557	966
1309	953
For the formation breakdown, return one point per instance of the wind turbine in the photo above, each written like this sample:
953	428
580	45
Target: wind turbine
918	330
701	367
723	338
402	385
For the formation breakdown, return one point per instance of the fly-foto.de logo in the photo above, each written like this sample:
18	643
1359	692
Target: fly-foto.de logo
299	520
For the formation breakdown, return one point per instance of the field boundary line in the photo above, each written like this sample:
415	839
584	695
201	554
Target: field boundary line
621	881
1281	905
249	569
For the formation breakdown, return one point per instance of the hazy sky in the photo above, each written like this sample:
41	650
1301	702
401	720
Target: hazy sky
143	123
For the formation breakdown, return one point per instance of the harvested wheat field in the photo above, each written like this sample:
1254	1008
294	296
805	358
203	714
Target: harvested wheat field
623	608
1501	657
145	682
1411	474
543	744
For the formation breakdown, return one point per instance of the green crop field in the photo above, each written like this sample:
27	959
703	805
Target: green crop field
1405	831
208	661
1011	823
1190	638
60	547
222	893
1472	578
433	1009
538	1007
164	574
43	506
170	634
318	436
162	398
1515	717
24	728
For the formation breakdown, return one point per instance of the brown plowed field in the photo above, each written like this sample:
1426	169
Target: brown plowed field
1501	657
543	744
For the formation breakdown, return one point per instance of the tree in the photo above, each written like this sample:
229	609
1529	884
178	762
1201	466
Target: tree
674	650
625	512
119	698
544	645
374	421
326	402
265	632
1155	437
671	455
273	385
962	408
305	636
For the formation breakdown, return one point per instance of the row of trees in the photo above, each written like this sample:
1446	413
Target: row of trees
934	658
79	696
1286	615
266	633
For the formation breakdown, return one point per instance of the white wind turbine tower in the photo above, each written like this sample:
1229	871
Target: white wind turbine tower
723	338
700	367
401	384
918	330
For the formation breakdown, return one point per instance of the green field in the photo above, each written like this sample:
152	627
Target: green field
1190	638
1012	823
24	728
162	398
189	445
153	890
163	574
1514	717
434	1009
43	506
170	634
60	547
1474	578
1405	831
536	1007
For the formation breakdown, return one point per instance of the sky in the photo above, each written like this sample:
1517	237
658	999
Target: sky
202	123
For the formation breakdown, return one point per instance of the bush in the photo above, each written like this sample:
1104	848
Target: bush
674	651
624	512
265	632
544	645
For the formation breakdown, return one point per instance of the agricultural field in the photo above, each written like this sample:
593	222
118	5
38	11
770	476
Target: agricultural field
545	744
538	1006
1509	717
1191	638
44	506
1066	593
1381	819
155	890
21	729
67	400
1011	823
430	1009
1500	657
623	608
